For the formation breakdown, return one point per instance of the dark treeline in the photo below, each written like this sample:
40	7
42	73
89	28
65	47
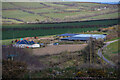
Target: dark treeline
117	19
13	19
45	5
61	27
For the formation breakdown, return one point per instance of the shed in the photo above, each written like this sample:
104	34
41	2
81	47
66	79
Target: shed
67	34
96	36
76	38
25	43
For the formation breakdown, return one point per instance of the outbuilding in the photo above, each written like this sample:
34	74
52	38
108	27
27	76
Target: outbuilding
95	36
76	39
84	37
65	35
25	43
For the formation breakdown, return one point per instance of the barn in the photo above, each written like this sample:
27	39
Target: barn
65	35
84	37
95	36
76	39
25	43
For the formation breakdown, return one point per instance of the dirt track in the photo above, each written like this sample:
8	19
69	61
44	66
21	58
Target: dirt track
49	50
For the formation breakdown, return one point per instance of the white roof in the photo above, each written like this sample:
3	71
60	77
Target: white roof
97	36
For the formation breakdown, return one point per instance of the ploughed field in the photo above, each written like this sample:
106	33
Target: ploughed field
13	31
51	50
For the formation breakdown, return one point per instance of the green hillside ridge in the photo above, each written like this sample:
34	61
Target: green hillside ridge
35	12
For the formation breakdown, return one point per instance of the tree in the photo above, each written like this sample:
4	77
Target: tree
89	53
85	54
37	20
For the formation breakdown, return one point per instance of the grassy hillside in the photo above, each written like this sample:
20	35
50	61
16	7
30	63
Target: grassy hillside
111	52
26	12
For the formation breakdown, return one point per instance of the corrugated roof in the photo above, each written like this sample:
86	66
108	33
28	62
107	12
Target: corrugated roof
22	42
32	42
18	42
67	34
25	42
76	38
97	36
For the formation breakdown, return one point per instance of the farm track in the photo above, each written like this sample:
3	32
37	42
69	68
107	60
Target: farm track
100	53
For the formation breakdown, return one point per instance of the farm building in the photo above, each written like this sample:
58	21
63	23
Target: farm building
96	36
25	43
65	35
84	37
76	38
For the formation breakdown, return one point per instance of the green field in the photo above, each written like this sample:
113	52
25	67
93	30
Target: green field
18	14
11	34
106	16
111	51
94	22
32	33
56	12
113	48
24	12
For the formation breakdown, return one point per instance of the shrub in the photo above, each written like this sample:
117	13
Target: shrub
97	73
13	69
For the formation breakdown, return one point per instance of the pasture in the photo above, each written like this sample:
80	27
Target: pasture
23	12
30	30
30	33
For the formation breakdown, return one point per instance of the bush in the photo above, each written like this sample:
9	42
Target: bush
97	73
13	69
82	74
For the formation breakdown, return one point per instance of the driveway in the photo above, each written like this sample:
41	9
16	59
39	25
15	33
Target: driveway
100	53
